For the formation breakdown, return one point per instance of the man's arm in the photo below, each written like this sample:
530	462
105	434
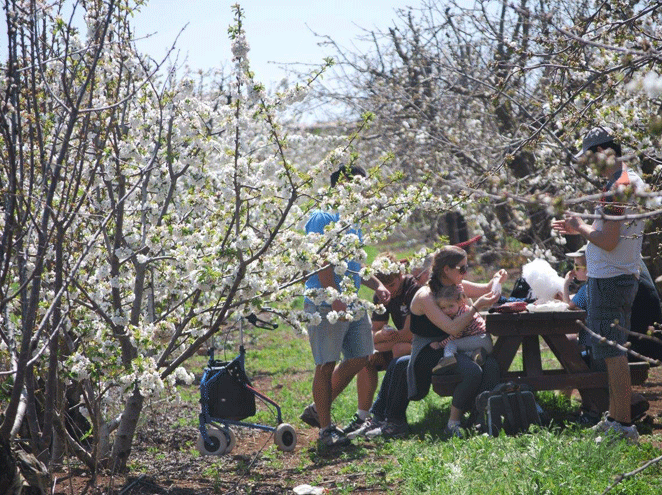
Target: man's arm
382	293
377	325
327	279
386	337
383	336
605	238
404	334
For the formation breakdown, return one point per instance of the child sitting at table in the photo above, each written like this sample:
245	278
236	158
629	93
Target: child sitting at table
579	300
474	340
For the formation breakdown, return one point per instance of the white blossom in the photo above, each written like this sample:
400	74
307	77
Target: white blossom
240	46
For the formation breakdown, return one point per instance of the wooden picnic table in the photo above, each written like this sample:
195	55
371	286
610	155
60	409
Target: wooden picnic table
524	330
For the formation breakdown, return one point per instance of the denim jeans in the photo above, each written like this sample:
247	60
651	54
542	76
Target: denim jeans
474	378
392	399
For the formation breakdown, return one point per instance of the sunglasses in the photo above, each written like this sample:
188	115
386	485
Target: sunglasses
462	269
579	267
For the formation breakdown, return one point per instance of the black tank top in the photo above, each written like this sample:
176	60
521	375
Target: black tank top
421	325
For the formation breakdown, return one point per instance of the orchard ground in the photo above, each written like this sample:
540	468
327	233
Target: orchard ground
165	461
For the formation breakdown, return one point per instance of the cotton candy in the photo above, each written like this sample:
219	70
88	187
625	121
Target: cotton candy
544	281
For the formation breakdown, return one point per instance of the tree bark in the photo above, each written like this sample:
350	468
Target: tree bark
126	431
9	477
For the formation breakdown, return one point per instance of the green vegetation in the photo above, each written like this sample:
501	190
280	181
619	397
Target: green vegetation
545	461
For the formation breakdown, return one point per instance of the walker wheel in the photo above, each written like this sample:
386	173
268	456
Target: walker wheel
285	437
231	438
217	445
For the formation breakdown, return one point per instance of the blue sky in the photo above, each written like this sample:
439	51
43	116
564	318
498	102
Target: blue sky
279	32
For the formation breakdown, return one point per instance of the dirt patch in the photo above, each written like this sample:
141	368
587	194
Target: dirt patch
164	460
652	391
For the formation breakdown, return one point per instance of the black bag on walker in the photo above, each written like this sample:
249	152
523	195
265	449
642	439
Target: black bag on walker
224	387
507	407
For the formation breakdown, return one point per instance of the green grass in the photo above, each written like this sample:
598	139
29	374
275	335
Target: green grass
568	462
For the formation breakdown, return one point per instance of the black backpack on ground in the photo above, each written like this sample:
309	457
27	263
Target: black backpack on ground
508	407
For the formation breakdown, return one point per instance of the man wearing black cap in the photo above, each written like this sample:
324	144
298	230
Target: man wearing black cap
613	259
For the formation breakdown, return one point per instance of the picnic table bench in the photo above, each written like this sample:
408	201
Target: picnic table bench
515	330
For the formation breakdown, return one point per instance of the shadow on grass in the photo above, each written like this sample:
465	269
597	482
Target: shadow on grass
321	455
558	411
432	423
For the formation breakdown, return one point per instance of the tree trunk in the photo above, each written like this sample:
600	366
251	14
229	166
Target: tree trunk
126	431
10	481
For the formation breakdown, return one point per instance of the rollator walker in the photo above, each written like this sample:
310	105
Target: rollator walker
227	398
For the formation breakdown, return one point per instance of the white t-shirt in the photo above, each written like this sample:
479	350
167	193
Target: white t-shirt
625	258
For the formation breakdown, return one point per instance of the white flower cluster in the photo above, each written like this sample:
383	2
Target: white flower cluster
650	84
181	375
323	296
145	376
80	366
240	46
537	252
142	336
293	95
354	314
334	316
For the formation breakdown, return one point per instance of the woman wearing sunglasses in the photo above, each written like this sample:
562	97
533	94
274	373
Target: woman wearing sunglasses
430	324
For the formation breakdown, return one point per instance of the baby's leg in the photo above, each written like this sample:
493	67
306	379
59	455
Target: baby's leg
447	362
477	347
472	342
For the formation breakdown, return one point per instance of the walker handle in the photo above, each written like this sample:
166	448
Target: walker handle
257	322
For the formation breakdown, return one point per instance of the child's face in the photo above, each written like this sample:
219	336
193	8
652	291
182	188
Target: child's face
449	306
580	269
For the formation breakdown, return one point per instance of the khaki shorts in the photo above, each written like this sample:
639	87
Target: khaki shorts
327	341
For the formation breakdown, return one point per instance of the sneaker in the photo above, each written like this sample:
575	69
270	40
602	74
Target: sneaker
618	430
454	431
353	425
309	416
389	429
366	426
333	437
375	430
445	364
587	419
